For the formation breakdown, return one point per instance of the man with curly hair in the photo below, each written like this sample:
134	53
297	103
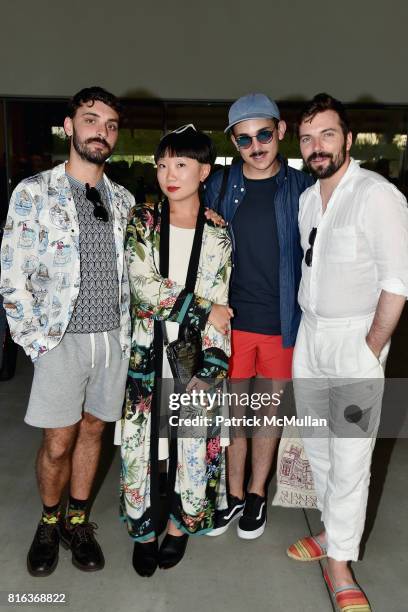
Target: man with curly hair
65	289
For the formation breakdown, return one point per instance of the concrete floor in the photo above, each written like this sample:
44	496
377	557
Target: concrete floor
217	573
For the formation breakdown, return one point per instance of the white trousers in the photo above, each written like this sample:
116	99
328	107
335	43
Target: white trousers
338	378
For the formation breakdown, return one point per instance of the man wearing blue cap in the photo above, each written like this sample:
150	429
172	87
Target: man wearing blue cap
259	200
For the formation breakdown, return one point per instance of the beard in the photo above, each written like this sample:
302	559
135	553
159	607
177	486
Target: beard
336	162
97	157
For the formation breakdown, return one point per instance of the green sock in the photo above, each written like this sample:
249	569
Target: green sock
76	513
51	514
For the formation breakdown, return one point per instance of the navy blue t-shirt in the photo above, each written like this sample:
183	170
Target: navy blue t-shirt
254	294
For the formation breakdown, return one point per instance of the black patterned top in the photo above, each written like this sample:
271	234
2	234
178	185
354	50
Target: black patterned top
97	306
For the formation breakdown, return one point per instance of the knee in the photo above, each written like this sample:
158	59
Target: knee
91	426
57	449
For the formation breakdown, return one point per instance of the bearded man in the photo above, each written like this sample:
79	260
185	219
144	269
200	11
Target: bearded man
65	291
354	232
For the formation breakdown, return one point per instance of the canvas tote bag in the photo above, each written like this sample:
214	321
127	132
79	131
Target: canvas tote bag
295	487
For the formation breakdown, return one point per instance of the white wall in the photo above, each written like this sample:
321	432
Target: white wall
214	49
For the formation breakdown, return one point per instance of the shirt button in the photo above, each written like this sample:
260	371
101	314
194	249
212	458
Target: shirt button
235	186
242	189
236	201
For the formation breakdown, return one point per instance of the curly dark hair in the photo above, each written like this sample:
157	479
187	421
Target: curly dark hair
93	94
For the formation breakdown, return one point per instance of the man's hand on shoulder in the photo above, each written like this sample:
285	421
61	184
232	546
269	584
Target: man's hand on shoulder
214	217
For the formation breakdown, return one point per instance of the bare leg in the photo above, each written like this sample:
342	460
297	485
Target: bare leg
237	450
263	451
236	456
54	462
173	530
321	537
85	457
339	572
265	440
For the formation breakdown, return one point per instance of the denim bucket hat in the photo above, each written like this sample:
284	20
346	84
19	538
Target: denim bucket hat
252	106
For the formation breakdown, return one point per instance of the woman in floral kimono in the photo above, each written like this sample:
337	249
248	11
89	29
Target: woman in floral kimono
158	247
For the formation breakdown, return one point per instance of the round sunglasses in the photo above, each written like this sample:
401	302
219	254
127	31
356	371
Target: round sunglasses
244	141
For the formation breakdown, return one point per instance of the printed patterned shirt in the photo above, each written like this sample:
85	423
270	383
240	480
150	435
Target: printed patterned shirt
40	260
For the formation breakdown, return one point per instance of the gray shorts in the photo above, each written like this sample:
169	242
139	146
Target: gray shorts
83	373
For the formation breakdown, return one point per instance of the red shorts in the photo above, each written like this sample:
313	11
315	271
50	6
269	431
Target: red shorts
259	354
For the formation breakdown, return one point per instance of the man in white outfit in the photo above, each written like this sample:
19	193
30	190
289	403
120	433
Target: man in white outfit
354	234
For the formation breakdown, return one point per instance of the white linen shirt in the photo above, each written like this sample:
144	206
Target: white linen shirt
361	245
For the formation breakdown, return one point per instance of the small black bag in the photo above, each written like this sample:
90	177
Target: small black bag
185	354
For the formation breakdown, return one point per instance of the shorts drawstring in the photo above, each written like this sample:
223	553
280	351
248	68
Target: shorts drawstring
107	349
92	336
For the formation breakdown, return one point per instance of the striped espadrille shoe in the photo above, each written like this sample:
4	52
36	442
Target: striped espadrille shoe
349	598
307	549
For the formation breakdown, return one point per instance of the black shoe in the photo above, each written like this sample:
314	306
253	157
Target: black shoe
42	557
145	557
87	555
253	520
224	518
172	550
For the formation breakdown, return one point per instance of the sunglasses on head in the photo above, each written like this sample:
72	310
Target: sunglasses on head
99	211
244	141
180	130
309	252
183	128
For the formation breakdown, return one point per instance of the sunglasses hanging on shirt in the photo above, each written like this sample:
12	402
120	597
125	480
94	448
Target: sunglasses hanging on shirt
99	211
309	252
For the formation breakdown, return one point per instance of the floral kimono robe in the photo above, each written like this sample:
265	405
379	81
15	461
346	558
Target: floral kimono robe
200	470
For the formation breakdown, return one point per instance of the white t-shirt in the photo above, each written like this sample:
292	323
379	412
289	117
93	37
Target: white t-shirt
180	245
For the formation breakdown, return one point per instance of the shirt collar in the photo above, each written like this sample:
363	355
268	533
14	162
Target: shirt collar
99	185
59	171
283	170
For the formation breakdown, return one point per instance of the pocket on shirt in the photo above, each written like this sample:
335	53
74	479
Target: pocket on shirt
342	247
